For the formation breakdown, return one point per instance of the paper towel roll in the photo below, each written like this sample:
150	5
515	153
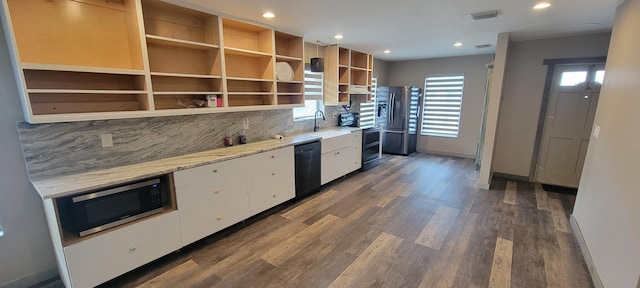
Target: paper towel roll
279	137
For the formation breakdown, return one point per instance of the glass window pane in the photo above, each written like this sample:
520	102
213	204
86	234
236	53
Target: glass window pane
573	78
599	79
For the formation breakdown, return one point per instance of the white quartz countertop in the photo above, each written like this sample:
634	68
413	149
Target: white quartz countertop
83	182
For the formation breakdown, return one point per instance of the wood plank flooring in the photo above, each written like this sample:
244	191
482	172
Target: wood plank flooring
416	221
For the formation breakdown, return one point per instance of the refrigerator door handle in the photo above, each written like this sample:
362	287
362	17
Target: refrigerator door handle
392	113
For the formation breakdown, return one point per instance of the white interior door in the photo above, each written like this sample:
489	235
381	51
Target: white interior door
569	119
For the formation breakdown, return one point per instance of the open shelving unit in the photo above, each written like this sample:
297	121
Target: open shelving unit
289	49
144	58
183	48
56	76
347	72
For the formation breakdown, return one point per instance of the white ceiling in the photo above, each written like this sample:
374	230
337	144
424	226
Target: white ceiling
416	29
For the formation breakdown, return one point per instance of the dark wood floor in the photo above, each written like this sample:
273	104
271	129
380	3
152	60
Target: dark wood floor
415	221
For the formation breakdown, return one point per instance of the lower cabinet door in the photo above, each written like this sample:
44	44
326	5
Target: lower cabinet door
270	185
334	164
99	259
228	209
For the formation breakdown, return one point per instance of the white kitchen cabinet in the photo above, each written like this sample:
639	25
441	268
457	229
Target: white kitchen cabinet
355	162
270	179
334	164
211	198
96	260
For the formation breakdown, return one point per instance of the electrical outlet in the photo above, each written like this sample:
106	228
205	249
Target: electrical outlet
1	231
245	124
596	131
107	140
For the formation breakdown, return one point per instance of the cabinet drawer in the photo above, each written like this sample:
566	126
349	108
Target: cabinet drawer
356	138
270	156
335	143
213	219
218	170
270	185
206	193
334	164
107	256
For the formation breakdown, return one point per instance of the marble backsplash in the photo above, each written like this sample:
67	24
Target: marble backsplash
67	148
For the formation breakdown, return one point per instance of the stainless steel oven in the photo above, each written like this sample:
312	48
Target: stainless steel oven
370	148
99	210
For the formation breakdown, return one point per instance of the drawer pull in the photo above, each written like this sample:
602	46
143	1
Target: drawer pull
132	248
219	217
273	156
273	174
216	191
274	195
215	170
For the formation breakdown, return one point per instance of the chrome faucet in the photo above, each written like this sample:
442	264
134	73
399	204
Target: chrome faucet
315	120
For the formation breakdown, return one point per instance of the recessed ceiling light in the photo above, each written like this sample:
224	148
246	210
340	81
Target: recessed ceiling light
268	15
338	36
387	51
457	44
542	5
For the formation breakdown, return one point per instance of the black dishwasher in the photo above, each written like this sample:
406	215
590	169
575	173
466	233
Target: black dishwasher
307	168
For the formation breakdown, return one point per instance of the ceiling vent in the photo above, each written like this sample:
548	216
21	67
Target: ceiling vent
484	15
483	46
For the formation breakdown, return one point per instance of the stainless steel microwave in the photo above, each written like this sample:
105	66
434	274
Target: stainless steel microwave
93	212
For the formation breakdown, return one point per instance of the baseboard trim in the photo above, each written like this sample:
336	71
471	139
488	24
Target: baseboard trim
442	153
511	177
32	279
595	277
484	186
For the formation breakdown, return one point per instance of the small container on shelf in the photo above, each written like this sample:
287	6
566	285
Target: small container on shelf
212	101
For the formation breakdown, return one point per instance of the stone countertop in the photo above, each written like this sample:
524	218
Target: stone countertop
83	182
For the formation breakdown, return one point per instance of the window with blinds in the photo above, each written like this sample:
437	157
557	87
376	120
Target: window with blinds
313	93
442	105
367	110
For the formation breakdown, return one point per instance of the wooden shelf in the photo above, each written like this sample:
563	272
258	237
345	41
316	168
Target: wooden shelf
288	45
107	37
243	86
247	53
177	100
71	91
248	99
71	68
245	36
291	99
242	66
179	43
185	75
167	21
70	103
287	58
183	60
162	84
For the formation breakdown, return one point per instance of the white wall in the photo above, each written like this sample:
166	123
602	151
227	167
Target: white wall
607	207
381	71
26	253
473	67
523	91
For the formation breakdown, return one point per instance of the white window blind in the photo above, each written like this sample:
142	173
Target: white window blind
442	105
313	94
367	110
313	83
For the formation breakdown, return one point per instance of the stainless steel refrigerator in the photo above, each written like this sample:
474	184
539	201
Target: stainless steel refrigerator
398	114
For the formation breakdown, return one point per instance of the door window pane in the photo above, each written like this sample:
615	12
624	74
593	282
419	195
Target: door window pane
574	78
599	79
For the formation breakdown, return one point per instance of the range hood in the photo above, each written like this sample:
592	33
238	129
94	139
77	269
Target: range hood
359	89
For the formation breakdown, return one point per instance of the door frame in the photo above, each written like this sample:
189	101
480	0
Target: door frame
552	63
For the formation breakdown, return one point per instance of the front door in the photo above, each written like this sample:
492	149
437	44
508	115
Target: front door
569	119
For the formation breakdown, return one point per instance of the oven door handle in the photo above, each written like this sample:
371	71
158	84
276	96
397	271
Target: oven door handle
114	190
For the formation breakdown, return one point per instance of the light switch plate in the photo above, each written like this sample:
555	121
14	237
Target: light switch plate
245	124
107	140
596	131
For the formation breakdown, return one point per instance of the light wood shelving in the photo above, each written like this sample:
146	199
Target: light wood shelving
144	58
347	72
